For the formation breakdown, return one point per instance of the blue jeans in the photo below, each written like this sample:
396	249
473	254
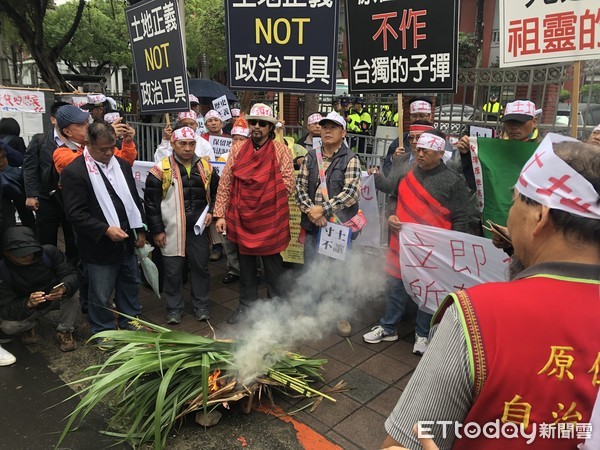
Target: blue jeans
398	299
124	279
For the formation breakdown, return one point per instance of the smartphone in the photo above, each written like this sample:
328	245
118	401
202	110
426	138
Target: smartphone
495	229
55	289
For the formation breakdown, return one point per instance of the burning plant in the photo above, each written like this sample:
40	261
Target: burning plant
153	379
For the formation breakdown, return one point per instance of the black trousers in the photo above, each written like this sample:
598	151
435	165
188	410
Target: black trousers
49	217
274	271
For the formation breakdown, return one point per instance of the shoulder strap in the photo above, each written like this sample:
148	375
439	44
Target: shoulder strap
167	173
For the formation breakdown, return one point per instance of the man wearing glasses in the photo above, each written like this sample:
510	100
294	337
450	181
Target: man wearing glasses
252	206
429	194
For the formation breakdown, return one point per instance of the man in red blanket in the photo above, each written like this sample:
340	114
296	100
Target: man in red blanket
252	205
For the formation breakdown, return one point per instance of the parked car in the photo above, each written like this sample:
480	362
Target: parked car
589	114
453	117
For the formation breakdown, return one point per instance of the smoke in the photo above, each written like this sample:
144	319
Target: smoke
328	291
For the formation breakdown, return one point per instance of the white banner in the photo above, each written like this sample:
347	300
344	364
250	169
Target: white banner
22	101
435	262
548	31
140	171
370	234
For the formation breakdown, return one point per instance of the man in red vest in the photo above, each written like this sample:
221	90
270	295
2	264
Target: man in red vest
429	194
519	361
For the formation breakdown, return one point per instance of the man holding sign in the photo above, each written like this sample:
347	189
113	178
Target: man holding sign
430	194
328	184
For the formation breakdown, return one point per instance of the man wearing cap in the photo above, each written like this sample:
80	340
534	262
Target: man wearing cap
36	279
37	167
345	104
595	136
314	131
492	109
235	113
252	206
342	174
104	208
420	109
178	191
359	122
97	105
336	105
73	125
429	194
188	119
487	364
520	124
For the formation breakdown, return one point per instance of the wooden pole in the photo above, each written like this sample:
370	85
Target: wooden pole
167	119
279	131
575	98
400	121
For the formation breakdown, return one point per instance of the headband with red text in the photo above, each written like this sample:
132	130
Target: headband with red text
431	142
183	133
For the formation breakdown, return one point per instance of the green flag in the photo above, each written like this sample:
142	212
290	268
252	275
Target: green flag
501	163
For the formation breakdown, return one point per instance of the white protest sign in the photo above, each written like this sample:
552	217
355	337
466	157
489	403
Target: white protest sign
481	132
201	127
317	141
370	235
435	262
222	106
220	144
22	101
140	171
334	240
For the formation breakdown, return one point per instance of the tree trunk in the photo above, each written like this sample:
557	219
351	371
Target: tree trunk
479	31
49	71
311	106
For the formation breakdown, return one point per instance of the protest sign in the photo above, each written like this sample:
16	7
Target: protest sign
222	106
220	144
435	262
140	171
22	101
282	45
497	164
548	31
158	57
370	235
408	46
294	252
334	240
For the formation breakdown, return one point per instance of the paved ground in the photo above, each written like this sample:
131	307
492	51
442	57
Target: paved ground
376	375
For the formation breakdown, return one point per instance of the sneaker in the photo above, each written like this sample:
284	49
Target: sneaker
236	316
421	344
216	254
31	336
66	341
6	357
174	318
202	314
378	334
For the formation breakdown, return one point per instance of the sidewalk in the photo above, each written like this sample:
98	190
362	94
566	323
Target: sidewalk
375	374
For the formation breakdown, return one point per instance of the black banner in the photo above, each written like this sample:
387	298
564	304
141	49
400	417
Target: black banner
282	45
402	45
155	36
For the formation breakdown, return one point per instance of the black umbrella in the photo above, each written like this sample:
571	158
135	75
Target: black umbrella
209	89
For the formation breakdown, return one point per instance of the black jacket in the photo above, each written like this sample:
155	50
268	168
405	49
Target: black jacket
85	215
194	196
49	268
37	164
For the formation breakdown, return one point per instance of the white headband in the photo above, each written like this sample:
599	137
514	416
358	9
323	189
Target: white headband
549	180
240	131
212	114
431	142
183	133
314	118
187	115
420	106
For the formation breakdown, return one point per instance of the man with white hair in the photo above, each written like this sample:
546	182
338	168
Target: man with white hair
429	194
520	360
595	136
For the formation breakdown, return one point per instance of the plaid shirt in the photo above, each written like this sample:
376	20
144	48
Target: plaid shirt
348	197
